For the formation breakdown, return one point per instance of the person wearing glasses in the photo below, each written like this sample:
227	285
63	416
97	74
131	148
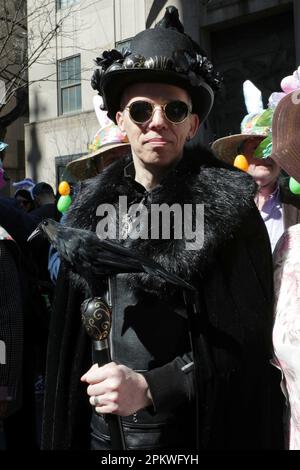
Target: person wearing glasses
184	374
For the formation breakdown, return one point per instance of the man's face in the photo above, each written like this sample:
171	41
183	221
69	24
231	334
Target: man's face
264	170
24	203
157	142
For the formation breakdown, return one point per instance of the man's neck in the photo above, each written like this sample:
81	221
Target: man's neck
149	176
46	200
147	179
263	193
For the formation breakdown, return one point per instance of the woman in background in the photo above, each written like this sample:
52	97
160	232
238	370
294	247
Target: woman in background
286	333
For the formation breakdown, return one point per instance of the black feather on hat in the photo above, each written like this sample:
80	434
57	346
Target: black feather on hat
163	54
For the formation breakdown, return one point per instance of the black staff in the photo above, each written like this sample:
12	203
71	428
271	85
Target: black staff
96	317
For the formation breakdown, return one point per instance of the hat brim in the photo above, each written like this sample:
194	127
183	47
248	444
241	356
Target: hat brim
285	134
226	148
115	82
86	166
287	157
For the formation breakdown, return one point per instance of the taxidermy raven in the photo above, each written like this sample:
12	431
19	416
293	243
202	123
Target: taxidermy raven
171	20
88	255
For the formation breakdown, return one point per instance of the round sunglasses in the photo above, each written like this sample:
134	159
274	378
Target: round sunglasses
175	112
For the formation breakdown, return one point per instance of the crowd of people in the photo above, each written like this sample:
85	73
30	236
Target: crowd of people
208	368
26	300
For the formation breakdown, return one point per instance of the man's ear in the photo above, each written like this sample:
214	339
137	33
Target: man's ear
195	124
120	120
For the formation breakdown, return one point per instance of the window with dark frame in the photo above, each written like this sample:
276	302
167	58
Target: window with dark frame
69	85
62	174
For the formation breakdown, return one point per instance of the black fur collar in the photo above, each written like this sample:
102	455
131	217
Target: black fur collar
198	179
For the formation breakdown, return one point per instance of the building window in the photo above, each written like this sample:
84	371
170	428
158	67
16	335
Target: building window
69	85
60	4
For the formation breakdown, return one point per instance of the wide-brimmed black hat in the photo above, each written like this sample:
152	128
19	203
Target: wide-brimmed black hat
163	54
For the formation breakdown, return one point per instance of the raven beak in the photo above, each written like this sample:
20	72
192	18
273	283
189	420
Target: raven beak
34	234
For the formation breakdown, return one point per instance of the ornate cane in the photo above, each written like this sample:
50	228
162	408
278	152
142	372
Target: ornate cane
96	317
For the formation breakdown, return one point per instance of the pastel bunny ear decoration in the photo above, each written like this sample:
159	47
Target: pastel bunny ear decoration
274	99
102	117
296	74
288	85
291	82
26	183
252	97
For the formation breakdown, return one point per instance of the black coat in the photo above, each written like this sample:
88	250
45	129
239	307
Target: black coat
239	394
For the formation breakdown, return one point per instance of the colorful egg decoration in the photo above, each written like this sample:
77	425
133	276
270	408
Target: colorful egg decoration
65	199
241	162
64	188
64	203
294	186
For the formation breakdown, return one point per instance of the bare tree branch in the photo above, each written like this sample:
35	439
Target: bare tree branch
27	31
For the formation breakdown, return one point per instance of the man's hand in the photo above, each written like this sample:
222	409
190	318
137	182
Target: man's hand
116	389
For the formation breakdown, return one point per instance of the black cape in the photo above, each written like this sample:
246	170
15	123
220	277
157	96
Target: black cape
239	390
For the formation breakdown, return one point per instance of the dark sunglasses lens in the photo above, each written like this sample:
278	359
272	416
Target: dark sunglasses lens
176	111
140	111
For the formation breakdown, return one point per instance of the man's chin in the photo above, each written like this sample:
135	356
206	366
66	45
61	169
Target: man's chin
158	158
264	182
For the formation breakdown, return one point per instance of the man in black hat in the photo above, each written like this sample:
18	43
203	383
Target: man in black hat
179	379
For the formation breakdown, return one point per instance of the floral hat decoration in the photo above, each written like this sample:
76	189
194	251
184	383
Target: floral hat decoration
108	145
164	54
286	137
258	125
253	125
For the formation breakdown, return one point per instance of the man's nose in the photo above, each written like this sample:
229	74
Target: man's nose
158	117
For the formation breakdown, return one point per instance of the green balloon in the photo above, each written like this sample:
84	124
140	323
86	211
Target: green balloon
64	203
294	186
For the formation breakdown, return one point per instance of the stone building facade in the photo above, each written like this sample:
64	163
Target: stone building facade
246	39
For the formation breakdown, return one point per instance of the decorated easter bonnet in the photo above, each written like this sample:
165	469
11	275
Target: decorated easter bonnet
4	235
257	124
104	149
286	135
164	54
252	126
285	146
105	140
